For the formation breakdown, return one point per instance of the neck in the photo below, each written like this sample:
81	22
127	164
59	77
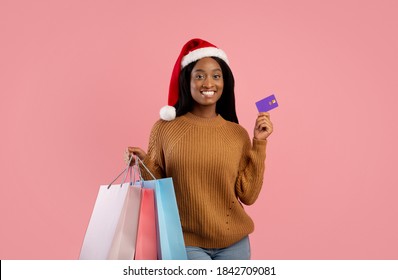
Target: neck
207	112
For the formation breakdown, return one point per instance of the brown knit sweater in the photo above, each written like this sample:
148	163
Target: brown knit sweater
214	169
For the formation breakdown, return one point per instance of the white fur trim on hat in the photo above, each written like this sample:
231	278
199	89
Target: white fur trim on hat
168	113
201	53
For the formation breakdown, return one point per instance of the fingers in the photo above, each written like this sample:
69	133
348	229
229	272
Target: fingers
263	121
263	127
266	114
127	155
130	151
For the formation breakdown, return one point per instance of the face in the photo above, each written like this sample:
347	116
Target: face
207	82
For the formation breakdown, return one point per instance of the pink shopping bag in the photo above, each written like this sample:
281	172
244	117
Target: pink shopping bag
146	245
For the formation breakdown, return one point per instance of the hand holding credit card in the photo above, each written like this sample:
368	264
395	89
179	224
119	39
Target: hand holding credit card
267	104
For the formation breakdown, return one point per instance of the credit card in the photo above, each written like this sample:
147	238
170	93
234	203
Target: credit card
266	104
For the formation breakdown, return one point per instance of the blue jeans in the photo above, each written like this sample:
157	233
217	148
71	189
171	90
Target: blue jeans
237	251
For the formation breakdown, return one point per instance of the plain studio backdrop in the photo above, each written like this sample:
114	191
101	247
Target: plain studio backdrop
82	80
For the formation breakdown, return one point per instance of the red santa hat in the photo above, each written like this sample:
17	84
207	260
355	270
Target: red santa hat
193	50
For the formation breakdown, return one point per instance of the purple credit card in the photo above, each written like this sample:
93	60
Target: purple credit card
266	104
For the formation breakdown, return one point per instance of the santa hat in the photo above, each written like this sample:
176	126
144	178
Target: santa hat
193	50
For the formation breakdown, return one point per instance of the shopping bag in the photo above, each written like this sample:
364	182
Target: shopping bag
146	245
124	240
112	229
170	241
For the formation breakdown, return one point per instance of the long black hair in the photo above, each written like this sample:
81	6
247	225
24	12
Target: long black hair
225	105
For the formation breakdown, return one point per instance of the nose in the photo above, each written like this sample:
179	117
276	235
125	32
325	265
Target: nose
208	82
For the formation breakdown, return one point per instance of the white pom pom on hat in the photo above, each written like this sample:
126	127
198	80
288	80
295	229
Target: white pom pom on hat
168	113
193	50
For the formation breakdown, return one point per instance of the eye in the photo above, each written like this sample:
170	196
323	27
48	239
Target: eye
199	76
217	76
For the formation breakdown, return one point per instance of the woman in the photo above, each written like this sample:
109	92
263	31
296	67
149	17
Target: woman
199	143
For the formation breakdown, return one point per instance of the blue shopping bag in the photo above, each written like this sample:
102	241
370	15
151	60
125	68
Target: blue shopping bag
170	238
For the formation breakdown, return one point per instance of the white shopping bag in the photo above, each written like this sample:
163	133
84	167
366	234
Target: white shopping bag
124	242
112	230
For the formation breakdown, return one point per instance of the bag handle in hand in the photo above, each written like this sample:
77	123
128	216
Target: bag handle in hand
130	168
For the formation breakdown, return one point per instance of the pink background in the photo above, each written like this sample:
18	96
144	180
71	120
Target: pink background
81	80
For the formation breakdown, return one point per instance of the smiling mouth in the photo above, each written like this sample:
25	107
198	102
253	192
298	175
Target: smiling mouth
208	93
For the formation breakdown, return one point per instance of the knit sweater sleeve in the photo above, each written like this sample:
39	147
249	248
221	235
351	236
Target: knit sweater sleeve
251	171
154	159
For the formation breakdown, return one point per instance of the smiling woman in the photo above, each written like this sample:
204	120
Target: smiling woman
199	143
206	87
206	83
225	105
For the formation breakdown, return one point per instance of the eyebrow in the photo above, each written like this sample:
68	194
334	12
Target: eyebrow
201	70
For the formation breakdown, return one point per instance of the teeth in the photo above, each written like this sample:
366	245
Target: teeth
208	93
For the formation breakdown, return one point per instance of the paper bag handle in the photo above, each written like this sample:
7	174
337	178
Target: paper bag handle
139	161
130	168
